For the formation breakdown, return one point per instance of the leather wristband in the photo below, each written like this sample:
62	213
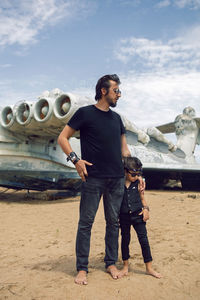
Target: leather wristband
146	207
73	157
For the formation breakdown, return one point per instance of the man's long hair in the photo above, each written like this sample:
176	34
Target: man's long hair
104	82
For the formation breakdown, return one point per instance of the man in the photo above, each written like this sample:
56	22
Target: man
103	143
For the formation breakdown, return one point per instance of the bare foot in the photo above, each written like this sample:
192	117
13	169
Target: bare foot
152	272
114	272
124	271
81	278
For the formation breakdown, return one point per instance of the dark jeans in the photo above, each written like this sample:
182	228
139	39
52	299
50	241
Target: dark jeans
126	220
91	191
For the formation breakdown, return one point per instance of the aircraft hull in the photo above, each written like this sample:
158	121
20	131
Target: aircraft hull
30	157
20	172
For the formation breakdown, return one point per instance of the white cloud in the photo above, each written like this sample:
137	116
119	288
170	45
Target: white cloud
163	3
10	94
156	98
21	21
191	4
5	66
129	2
182	52
168	82
123	3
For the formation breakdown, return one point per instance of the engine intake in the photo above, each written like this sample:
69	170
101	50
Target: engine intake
43	110
64	106
24	113
7	117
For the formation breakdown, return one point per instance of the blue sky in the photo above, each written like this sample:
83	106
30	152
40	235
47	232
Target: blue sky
154	46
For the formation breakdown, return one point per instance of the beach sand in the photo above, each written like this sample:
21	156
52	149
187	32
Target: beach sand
37	250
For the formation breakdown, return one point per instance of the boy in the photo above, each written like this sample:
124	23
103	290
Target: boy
134	211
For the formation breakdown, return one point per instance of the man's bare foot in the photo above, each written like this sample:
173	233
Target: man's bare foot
152	272
114	272
81	278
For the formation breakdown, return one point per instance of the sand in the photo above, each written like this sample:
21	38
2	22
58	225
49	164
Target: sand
37	256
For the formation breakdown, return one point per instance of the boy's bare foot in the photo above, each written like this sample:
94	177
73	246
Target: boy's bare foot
114	272
124	271
152	272
81	278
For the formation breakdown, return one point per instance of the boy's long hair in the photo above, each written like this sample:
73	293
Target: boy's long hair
131	163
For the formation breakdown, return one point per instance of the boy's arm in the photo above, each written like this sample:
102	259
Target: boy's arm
142	184
145	210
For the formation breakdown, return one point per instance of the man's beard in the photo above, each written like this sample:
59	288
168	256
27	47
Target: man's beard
111	104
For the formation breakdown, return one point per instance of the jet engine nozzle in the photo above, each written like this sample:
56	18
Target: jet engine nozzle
43	110
7	117
24	113
64	106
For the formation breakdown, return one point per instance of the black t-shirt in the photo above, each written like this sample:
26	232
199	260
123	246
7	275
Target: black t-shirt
100	134
131	201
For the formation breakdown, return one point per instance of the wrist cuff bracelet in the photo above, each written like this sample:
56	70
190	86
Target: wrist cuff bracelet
146	207
73	157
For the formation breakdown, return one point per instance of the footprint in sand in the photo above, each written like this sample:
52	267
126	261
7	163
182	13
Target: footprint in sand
197	283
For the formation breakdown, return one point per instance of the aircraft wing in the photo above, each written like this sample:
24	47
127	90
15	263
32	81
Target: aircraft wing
198	124
131	138
167	128
197	121
153	144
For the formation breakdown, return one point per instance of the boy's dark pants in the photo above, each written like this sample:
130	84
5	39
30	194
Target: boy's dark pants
126	220
112	190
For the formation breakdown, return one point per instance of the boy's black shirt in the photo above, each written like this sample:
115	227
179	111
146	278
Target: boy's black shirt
100	134
131	201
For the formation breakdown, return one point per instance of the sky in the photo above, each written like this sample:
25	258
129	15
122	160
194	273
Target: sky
153	46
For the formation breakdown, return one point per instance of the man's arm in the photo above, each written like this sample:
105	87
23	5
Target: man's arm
124	146
63	141
126	152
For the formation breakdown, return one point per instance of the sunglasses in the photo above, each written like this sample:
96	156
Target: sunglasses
117	91
134	172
